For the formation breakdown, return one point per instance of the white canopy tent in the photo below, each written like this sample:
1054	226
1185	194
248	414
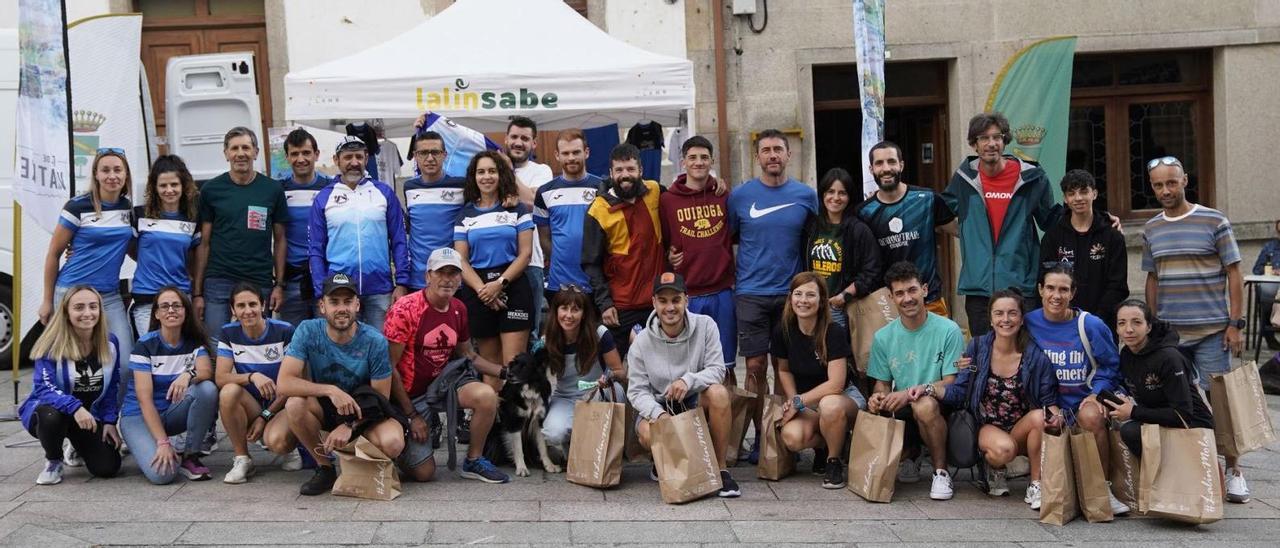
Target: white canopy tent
562	72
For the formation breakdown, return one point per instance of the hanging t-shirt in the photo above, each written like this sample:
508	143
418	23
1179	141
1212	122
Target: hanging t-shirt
433	208
803	360
163	246
347	366
261	355
997	192
602	140
826	255
907	358
99	241
648	138
299	198
429	337
492	233
567	384
153	355
769	223
87	383
562	206
242	219
905	231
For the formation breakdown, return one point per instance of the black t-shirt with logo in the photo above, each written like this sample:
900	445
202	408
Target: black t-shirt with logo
797	348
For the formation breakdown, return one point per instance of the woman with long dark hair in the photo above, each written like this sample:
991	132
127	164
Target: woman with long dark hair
172	391
73	394
579	351
841	248
168	231
495	242
1013	386
814	359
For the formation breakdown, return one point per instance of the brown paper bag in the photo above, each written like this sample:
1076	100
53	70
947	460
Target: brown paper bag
1241	422
1058	505
599	436
776	461
1180	479
684	457
632	450
1092	491
740	402
874	452
367	473
866	316
1124	471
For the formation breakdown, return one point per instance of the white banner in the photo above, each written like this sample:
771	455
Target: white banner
106	107
43	162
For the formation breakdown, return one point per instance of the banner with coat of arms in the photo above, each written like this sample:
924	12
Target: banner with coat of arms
868	38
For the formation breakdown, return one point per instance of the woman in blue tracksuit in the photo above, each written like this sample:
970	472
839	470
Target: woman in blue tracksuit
168	232
1013	383
73	392
96	225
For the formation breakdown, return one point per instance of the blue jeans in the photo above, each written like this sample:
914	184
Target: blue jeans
217	303
118	324
1208	356
194	415
557	426
373	309
295	308
839	316
537	280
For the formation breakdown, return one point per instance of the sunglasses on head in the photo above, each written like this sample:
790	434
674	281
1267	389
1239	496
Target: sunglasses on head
1166	160
570	287
111	150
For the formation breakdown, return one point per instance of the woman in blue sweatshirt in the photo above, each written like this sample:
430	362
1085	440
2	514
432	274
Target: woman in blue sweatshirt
73	392
1012	385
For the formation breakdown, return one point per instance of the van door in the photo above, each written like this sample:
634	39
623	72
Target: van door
206	95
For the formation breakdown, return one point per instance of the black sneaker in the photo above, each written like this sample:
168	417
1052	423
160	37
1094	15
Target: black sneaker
835	474
653	472
819	461
464	431
321	482
728	489
436	429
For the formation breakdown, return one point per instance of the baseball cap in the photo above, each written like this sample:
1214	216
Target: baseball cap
668	280
337	281
350	142
442	257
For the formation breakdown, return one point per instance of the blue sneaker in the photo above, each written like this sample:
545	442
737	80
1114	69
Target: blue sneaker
481	469
754	456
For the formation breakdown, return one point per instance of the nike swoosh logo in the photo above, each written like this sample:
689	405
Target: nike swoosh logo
758	213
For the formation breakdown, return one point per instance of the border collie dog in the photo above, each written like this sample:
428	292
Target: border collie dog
522	404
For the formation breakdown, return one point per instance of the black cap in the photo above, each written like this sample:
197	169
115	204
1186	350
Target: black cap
339	281
668	280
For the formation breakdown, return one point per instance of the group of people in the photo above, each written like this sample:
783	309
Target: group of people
293	308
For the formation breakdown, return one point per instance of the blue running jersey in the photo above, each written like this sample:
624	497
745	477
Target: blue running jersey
300	197
562	205
769	223
165	363
164	244
98	242
492	233
359	232
261	355
433	210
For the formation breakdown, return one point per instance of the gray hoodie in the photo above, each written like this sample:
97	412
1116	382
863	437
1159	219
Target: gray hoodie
655	361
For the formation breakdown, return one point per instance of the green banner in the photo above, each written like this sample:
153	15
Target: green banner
1033	91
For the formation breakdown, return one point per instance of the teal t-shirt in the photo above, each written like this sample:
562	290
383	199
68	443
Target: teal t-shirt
908	358
242	218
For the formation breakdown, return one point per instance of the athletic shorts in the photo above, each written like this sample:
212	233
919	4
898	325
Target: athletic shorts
416	453
486	322
757	317
720	307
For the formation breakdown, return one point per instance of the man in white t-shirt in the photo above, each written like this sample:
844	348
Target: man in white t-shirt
522	137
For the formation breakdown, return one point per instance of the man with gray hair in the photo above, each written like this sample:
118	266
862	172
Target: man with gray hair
243	215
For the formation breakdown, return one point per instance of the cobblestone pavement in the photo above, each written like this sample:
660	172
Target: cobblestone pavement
543	509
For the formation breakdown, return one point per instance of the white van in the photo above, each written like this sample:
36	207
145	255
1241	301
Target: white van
8	129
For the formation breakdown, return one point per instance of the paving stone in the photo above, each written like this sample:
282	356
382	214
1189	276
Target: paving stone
986	507
159	533
812	531
974	530
402	532
10	491
648	532
166	511
553	489
437	511
37	535
839	511
117	490
792	489
6	507
505	532
942	545
706	509
276	533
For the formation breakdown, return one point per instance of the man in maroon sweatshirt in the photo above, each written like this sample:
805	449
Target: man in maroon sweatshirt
695	228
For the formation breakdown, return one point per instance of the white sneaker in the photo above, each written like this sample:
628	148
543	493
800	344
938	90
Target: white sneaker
1237	489
1033	495
1117	508
241	470
908	471
292	461
70	457
52	473
941	489
997	482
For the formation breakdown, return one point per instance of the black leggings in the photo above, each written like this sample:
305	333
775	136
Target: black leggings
51	426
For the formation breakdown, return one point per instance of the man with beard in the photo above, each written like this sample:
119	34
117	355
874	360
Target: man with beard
768	215
522	138
326	361
560	208
426	330
433	200
300	189
903	219
1194	283
357	229
622	245
243	215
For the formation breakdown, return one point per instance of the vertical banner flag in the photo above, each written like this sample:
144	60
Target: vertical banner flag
44	157
1033	91
868	38
106	108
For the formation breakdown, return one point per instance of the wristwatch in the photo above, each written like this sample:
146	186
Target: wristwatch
192	372
504	281
797	403
266	414
1237	323
929	389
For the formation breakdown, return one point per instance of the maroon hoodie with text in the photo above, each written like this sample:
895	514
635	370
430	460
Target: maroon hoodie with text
695	222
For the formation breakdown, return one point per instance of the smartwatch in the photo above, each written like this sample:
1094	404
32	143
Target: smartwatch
929	389
1238	323
266	414
192	372
504	281
797	403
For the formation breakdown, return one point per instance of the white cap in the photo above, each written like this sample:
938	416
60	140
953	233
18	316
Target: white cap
442	257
